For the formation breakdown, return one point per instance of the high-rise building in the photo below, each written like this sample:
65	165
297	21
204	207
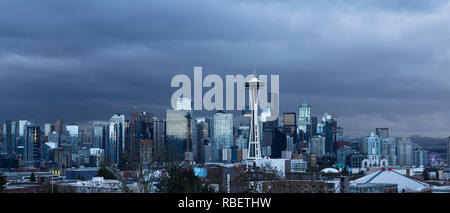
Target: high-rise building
448	152
201	134
342	154
48	128
269	125
53	137
221	134
86	137
22	129
159	138
279	142
290	124
329	130
372	144
59	126
388	150
317	146
100	134
116	139
207	151
313	125
176	131
304	122
267	136
382	132
32	144
138	131
419	156
340	134
72	137
404	147
1	137
10	137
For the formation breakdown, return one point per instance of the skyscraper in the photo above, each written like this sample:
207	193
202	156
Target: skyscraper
59	126
48	128
279	142
176	132
116	139
267	136
33	145
304	121
22	129
290	124
72	137
313	125
10	137
419	156
201	133
448	152
404	148
86	137
372	144
317	145
382	132
53	137
139	131
388	150
1	137
100	134
159	139
221	134
330	132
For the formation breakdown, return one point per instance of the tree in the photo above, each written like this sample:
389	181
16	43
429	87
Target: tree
182	180
105	173
81	177
2	182
145	177
32	177
425	174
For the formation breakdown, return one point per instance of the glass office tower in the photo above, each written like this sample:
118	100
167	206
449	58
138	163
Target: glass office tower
221	134
176	131
72	137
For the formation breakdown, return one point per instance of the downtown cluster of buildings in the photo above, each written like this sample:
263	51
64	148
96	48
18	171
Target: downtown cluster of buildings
222	137
300	142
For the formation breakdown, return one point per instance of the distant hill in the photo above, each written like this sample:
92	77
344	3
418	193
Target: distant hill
429	142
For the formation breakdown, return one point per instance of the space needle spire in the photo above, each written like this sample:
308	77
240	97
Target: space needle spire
254	148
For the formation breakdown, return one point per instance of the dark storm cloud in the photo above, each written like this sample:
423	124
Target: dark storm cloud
371	63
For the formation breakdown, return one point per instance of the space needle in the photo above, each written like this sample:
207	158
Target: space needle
254	148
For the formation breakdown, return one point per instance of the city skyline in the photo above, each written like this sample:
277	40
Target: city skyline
372	64
90	124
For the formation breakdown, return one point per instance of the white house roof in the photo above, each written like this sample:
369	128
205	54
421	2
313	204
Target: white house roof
404	184
329	170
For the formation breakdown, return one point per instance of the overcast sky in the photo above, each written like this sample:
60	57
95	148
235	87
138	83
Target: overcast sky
380	63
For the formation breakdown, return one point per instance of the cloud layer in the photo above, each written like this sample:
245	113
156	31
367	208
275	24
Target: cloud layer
381	63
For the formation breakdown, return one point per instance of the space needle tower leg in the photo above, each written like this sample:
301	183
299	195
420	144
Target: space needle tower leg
254	149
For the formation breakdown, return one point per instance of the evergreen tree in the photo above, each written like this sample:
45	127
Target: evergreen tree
425	174
2	182
105	173
81	177
32	177
182	180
